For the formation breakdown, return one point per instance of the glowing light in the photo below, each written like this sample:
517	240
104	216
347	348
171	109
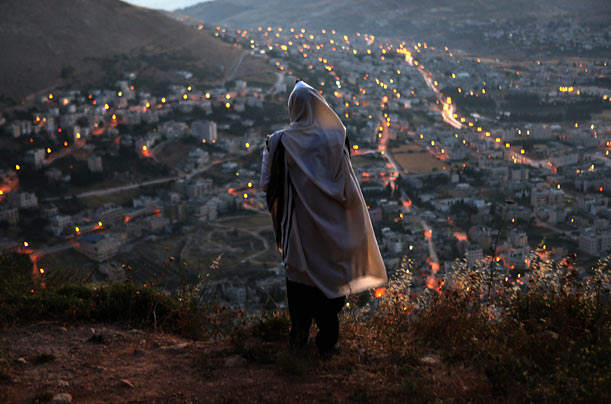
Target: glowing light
247	145
379	292
227	105
48	150
185	96
245	196
41	270
25	244
100	223
17	167
106	107
77	229
163	100
144	148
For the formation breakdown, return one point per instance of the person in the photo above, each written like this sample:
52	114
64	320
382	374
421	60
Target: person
320	219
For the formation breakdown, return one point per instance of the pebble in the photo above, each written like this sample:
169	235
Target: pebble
175	347
430	359
63	383
61	398
22	360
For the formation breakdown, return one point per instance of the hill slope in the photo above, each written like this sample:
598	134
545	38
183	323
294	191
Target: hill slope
40	40
428	20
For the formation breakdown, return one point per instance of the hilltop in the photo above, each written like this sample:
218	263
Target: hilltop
133	343
47	44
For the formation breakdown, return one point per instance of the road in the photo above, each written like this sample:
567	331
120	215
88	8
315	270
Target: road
108	191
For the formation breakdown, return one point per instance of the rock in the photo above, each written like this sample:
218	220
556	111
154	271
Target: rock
234	361
175	347
63	329
100	368
430	360
61	398
127	383
63	383
22	361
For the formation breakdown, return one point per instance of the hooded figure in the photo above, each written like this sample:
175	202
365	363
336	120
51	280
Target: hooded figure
320	218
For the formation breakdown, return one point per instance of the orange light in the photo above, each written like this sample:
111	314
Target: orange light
379	292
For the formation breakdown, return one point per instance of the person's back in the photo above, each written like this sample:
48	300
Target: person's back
320	218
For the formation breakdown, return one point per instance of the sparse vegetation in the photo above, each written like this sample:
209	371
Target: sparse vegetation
546	341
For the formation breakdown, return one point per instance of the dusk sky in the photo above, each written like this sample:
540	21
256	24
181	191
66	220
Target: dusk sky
164	4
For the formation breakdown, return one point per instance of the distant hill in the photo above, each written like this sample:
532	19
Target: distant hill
415	19
49	43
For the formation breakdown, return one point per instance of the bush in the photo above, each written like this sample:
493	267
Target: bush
23	300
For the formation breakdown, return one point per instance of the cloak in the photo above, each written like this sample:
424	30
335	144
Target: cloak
320	217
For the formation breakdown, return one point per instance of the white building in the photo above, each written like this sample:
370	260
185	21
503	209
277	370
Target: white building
204	130
95	164
98	247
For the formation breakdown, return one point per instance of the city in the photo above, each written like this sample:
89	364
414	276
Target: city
454	162
347	201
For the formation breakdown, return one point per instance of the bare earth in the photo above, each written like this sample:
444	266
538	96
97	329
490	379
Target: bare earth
161	368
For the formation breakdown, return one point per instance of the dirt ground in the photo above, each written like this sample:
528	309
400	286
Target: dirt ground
120	365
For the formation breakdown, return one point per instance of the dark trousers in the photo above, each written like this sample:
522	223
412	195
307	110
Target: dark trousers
307	303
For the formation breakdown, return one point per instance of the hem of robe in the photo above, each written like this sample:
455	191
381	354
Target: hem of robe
355	286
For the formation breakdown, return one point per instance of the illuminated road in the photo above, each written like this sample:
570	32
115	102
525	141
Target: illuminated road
447	107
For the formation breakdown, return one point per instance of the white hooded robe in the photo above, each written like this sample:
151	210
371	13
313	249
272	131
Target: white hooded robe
327	239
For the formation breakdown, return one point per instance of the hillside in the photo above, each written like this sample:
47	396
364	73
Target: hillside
50	43
436	20
128	342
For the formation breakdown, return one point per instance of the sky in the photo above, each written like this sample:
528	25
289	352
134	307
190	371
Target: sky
164	4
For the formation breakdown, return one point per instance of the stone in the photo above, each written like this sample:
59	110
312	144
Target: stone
63	329
22	361
61	398
430	360
175	347
127	383
63	383
234	361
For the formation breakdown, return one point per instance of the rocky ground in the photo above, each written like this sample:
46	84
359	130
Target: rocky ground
108	364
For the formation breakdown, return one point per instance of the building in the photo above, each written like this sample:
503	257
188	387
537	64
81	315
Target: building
9	215
35	158
98	247
204	130
95	164
474	256
23	200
